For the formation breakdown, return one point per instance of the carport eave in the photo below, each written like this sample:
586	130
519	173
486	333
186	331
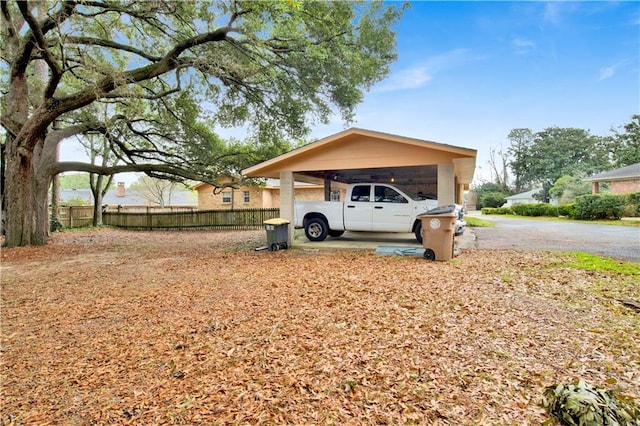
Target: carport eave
272	167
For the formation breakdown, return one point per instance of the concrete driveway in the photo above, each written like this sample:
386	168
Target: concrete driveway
619	242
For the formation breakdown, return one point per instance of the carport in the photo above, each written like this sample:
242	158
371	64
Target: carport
419	167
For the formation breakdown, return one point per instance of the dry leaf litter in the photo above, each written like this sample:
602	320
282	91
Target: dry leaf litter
113	327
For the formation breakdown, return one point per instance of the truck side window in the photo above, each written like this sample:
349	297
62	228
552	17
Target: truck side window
388	195
360	193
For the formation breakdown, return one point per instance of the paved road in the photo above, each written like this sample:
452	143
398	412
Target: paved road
620	242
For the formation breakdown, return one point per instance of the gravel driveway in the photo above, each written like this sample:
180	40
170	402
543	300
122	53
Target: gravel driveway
620	242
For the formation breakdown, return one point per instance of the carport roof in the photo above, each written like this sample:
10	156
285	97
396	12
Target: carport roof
358	154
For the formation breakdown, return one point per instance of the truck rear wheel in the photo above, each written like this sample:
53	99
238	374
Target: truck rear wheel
316	229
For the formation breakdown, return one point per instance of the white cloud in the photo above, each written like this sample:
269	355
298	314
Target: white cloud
419	75
410	78
521	42
552	12
556	11
606	73
522	45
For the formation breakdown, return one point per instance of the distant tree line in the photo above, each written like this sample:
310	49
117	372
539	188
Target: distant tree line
556	160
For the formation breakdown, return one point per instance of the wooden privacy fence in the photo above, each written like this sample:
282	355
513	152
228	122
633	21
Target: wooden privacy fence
148	209
203	219
75	216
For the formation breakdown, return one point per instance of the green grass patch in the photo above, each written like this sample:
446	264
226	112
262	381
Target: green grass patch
477	223
592	262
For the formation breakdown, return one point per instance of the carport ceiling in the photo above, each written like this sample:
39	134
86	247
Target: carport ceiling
409	175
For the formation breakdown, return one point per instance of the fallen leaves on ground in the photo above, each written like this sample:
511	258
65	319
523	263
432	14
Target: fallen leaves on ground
106	326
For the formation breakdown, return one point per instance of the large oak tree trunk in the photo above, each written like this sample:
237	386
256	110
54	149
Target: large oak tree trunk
26	192
20	198
26	188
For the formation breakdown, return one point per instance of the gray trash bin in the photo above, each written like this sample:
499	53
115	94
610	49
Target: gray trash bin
277	233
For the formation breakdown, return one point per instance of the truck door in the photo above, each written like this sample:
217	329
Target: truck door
358	209
391	210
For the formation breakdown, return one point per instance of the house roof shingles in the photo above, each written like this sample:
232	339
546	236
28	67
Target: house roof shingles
623	173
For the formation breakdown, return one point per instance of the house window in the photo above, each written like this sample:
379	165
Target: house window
335	195
246	197
226	197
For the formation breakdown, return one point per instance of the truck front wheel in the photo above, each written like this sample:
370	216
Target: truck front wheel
316	229
418	232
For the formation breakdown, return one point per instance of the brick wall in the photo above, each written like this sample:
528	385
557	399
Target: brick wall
625	186
259	197
229	198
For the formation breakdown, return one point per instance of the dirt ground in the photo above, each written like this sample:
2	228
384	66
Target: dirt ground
113	327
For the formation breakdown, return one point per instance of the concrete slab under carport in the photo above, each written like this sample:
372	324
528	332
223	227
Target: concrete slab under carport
372	240
359	240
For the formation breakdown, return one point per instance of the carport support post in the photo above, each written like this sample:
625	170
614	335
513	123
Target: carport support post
286	201
446	184
327	190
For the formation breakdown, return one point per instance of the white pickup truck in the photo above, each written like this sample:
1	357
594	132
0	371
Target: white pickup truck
372	207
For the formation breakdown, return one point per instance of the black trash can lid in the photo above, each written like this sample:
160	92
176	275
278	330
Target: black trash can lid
442	209
276	221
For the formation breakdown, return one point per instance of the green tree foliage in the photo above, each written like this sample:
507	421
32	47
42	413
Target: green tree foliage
567	188
493	199
486	187
74	181
521	141
555	152
171	71
625	143
76	201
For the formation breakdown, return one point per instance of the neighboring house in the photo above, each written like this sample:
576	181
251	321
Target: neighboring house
624	180
122	197
522	198
257	196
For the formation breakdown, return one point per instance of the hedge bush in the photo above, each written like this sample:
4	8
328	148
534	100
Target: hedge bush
568	210
493	199
498	210
632	205
535	209
600	206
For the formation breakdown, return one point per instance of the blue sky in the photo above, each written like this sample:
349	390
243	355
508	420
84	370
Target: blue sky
469	72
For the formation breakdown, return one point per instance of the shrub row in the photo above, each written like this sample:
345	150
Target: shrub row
586	207
496	210
535	209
